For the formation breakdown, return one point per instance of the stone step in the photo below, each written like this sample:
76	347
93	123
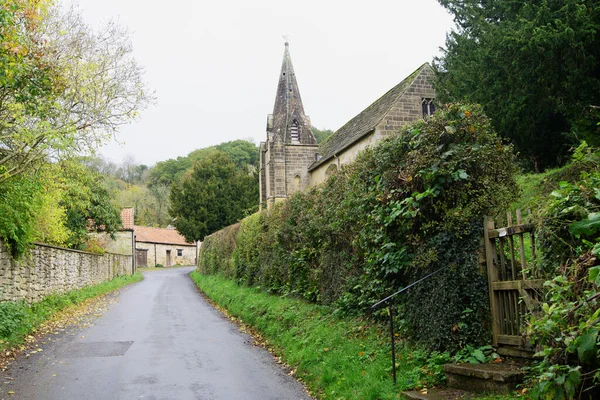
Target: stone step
437	394
484	378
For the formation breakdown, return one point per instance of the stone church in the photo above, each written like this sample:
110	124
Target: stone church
291	160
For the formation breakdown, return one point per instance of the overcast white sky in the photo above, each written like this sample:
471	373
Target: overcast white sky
214	65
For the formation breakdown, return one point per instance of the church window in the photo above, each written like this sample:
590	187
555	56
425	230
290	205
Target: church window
428	107
331	169
297	183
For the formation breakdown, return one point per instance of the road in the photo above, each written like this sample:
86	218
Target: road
159	340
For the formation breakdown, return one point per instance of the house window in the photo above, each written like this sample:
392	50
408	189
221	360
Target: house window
427	106
295	131
179	252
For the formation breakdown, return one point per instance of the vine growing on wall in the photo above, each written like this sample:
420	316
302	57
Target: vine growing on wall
405	207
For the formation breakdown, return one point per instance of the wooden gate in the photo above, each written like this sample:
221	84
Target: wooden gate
514	289
141	257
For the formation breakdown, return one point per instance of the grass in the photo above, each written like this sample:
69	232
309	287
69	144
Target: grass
19	319
337	358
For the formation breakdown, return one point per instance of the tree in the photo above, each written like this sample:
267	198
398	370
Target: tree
64	89
59	204
215	193
87	204
534	66
243	152
321	134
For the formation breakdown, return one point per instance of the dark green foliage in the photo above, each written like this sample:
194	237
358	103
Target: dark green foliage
19	202
169	171
535	68
88	207
241	152
214	194
321	134
404	208
452	306
566	331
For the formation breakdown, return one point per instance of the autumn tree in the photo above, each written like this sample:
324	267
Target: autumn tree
534	66
215	193
64	89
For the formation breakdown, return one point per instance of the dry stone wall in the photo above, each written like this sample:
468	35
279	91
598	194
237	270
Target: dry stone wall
48	269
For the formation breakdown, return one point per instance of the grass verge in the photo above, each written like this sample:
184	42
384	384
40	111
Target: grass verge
336	358
19	319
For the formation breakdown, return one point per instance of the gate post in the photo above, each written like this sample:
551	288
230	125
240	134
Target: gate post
492	273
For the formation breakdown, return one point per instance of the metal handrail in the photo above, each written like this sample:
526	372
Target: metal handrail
391	313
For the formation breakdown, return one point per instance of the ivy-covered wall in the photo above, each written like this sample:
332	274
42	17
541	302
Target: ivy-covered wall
408	206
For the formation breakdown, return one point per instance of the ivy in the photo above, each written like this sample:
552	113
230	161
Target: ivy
566	330
409	205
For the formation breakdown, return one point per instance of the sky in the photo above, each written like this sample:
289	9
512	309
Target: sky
214	65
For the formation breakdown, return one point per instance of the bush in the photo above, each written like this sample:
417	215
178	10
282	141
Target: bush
406	207
567	330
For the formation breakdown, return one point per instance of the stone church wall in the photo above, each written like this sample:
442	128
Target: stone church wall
48	269
298	159
409	108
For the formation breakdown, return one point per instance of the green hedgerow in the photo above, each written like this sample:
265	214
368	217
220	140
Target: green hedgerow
411	204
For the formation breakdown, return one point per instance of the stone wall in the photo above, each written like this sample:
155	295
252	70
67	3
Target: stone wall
297	160
48	269
121	244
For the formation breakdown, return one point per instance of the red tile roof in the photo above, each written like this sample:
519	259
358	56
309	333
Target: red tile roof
159	235
127	218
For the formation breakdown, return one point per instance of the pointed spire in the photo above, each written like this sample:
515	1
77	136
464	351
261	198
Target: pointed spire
288	110
288	94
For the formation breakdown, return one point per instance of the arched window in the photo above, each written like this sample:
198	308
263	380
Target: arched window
332	169
428	107
297	183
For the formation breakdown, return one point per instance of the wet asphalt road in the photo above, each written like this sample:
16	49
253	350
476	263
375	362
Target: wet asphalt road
160	340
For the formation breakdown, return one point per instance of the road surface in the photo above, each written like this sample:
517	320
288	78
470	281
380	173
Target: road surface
159	340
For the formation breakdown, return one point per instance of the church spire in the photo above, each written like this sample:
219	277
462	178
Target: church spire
289	122
288	96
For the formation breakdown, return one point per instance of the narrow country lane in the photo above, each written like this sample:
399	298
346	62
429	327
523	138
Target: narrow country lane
160	340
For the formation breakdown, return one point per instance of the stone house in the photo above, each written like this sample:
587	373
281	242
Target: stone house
162	246
290	160
124	241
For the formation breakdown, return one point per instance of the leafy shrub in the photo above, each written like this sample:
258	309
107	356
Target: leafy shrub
408	206
567	330
12	316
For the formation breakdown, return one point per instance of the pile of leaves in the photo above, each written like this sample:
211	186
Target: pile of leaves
410	205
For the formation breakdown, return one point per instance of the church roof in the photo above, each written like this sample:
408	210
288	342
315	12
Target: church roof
365	122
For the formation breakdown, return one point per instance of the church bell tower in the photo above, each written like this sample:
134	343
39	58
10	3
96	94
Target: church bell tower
290	147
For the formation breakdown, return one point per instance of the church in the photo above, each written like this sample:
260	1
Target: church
291	160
